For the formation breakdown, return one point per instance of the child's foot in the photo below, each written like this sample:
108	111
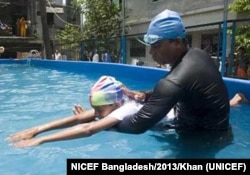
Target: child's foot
242	97
237	99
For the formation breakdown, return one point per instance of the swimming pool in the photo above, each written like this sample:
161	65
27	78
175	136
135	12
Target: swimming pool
42	91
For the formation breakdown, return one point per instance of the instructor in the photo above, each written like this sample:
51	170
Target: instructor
194	87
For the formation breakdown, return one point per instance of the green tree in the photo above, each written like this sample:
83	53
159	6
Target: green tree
70	39
101	29
70	34
102	23
102	18
243	31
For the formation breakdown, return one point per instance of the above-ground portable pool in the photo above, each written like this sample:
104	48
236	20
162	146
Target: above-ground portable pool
34	92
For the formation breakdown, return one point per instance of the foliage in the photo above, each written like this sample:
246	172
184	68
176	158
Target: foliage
69	34
101	29
102	19
102	23
243	31
240	6
69	40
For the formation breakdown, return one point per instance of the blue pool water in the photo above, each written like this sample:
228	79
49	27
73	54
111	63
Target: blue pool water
31	96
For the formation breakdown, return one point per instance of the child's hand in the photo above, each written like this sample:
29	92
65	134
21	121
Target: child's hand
22	135
78	109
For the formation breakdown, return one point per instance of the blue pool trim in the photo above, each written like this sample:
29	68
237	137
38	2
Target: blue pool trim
13	61
134	72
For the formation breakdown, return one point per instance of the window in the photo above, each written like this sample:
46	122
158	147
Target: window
50	18
137	49
209	42
189	40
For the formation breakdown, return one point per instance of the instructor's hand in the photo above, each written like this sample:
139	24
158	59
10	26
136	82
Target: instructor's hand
136	95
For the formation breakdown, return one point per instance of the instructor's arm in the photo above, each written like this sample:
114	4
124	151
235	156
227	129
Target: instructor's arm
164	97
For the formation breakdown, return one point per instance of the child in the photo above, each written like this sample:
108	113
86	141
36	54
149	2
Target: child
105	97
110	102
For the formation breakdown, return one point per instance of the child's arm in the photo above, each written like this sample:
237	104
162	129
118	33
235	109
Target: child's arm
81	130
85	116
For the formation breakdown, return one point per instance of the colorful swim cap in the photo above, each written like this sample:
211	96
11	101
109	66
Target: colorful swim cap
107	90
166	25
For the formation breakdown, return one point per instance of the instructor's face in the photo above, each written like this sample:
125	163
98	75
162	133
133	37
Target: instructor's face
164	51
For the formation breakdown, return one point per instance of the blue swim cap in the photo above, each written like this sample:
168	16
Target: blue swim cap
166	25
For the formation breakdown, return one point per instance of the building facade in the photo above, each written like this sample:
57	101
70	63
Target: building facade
17	46
10	13
203	20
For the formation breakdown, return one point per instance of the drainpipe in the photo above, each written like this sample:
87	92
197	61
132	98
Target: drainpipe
231	58
81	25
123	39
224	44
